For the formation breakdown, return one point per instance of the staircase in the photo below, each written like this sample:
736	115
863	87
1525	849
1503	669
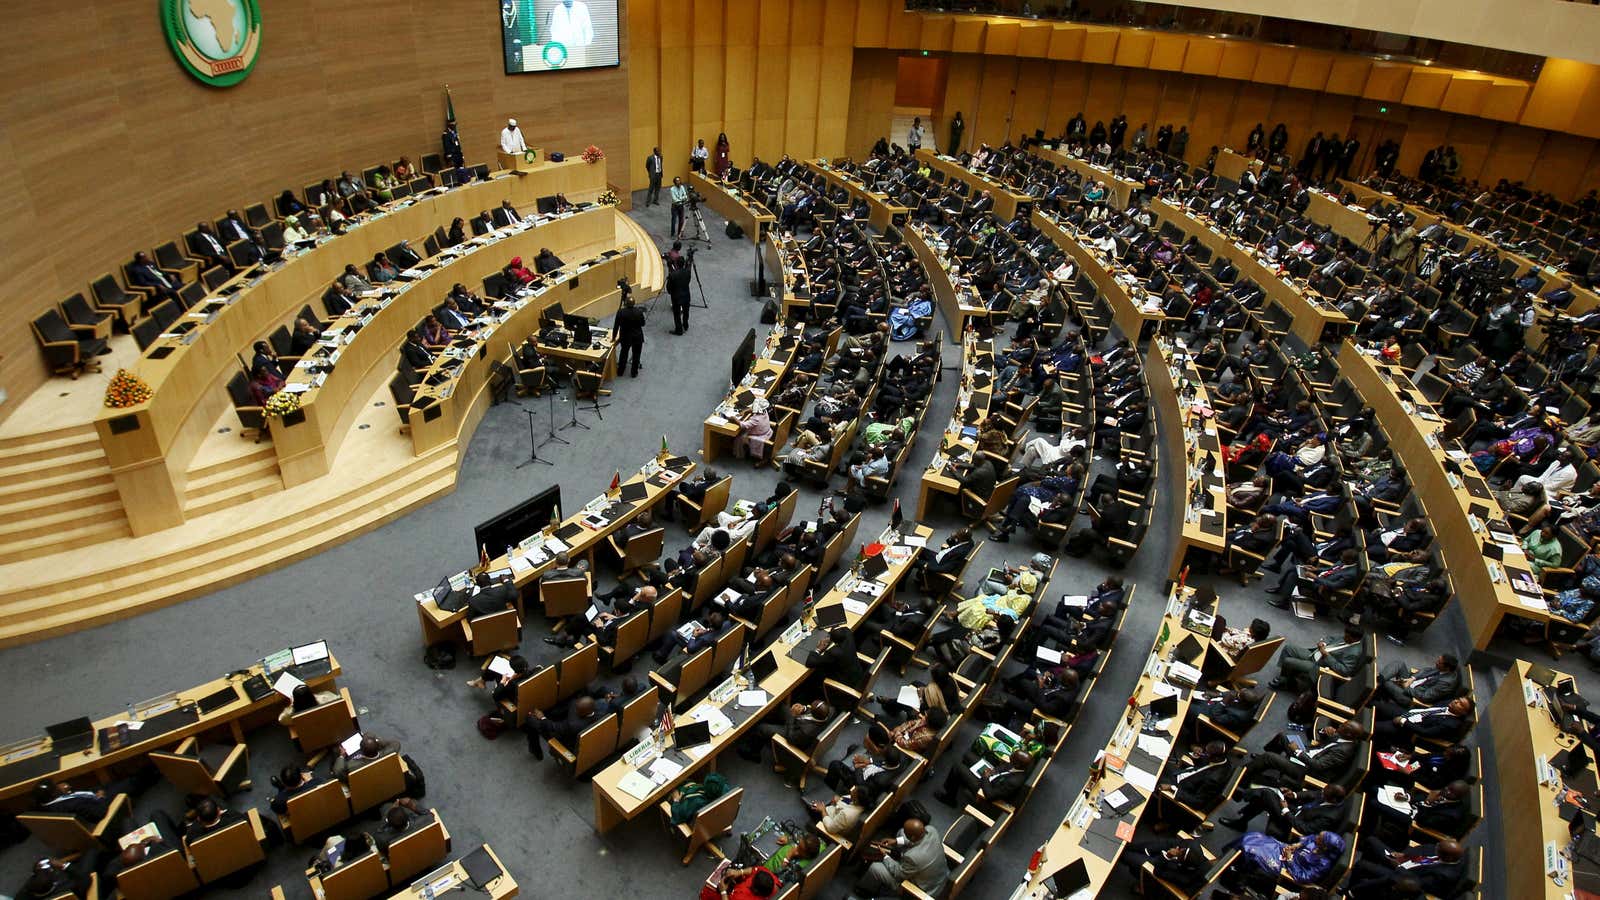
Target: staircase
201	555
56	494
231	482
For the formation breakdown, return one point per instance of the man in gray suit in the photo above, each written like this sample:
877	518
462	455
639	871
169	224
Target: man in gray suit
1403	684
915	855
1328	758
1298	665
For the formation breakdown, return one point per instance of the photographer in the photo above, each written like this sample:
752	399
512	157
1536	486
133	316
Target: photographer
679	194
678	290
628	331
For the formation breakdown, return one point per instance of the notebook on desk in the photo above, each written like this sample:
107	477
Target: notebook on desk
691	734
218	699
634	491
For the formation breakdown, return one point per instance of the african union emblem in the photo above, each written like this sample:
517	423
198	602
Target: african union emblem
216	40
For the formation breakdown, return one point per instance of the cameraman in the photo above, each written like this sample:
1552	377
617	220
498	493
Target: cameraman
679	194
678	290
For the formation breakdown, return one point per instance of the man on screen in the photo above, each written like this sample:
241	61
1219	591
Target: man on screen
569	26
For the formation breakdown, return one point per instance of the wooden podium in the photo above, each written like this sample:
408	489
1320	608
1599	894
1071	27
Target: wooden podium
518	162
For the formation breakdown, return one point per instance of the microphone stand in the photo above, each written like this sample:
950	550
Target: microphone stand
552	436
533	442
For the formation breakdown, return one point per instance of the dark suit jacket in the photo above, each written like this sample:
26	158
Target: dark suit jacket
195	831
1203	787
1004	785
1314	815
335	303
838	662
417	355
1330	760
202	247
492	599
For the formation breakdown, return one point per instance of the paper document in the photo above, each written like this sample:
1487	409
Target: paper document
636	785
1139	778
351	744
1156	745
144	832
501	666
752	699
1048	655
663	770
286	684
909	696
854	607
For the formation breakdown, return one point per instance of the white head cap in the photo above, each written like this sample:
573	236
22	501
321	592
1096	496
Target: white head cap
511	123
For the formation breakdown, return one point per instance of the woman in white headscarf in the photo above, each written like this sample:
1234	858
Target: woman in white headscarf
755	431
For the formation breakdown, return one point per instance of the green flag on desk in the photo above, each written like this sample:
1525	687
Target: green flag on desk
449	106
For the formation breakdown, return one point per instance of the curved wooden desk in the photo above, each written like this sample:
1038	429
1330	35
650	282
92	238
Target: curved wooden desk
1120	188
732	203
615	803
1483	587
458	404
1200	517
1132	316
1525	739
1006	201
21	770
973	398
1085	835
149	446
883	210
307	443
957	300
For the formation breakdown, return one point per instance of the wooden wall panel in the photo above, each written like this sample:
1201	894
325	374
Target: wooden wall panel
1386	81
1168	52
1068	87
1238	60
1099	45
996	99
1066	42
1273	64
1348	75
1000	38
1141	91
872	23
1034	77
93	88
1562	161
1426	88
1311	70
1204	56
1134	49
1034	39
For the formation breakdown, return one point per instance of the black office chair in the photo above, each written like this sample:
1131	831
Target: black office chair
65	351
166	313
145	332
84	320
251	416
256	214
401	391
309	316
432	162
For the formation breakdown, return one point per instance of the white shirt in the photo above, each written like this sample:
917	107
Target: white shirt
570	26
511	140
914	136
699	153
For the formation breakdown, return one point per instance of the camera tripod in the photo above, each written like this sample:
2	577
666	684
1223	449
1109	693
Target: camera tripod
700	232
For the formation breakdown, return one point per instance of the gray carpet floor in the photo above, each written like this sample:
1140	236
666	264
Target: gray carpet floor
358	595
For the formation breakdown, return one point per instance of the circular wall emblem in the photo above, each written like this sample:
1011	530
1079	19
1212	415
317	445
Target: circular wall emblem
216	40
555	55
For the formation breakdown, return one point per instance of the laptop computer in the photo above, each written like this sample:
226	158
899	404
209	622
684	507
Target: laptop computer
691	734
1189	648
762	666
311	660
830	616
1069	880
71	736
634	491
1162	707
1544	676
874	565
481	867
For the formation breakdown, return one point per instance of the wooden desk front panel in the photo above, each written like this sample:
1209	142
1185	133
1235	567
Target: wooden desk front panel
1482	601
725	204
1120	188
1521	735
466	404
306	450
1005	200
1309	318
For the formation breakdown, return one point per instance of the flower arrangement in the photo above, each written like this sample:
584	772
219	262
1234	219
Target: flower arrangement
282	403
126	389
609	198
593	154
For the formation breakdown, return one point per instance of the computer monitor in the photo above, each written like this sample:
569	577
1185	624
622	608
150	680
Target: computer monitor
519	522
579	326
